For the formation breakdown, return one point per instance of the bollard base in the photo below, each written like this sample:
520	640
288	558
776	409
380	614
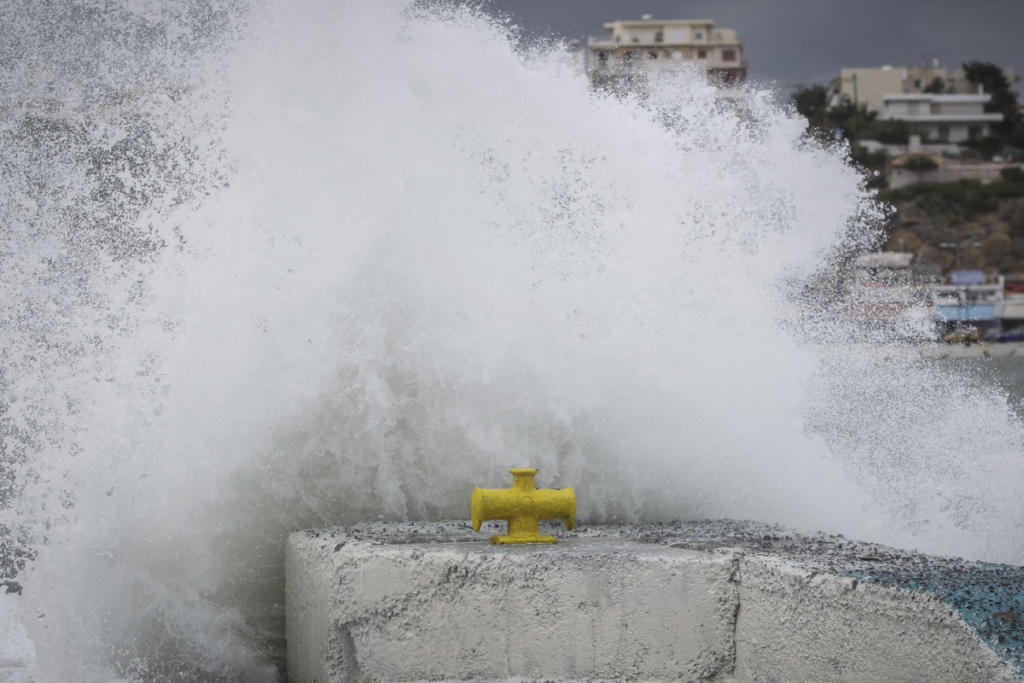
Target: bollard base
507	539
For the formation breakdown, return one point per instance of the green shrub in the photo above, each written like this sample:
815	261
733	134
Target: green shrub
986	147
936	86
889	131
962	199
1005	189
1013	174
872	160
920	162
876	180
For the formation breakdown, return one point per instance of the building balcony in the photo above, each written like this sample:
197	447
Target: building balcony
603	43
946	118
970	98
642	63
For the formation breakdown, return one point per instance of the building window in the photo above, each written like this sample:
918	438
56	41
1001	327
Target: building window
636	39
728	55
935	108
702	54
943	131
973	132
602	57
652	55
659	36
698	35
627	56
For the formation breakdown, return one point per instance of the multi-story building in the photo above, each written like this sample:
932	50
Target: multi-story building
868	86
950	118
634	50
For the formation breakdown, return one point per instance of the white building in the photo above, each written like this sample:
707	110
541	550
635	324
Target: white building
952	118
635	49
868	85
884	269
886	295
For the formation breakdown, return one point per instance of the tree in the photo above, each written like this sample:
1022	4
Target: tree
849	119
873	163
936	86
889	131
812	103
852	119
988	146
1004	100
920	163
1012	174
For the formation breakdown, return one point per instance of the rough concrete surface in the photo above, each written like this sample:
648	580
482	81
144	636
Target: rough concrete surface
723	601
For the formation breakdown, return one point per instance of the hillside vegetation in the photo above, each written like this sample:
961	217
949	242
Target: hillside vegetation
965	224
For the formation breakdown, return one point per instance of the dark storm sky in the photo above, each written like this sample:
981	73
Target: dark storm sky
790	42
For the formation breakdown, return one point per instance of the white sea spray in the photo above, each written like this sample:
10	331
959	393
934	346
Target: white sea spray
399	254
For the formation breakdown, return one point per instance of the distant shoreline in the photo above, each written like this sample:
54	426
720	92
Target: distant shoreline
977	350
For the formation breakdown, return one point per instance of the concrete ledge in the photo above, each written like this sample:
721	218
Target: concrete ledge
727	601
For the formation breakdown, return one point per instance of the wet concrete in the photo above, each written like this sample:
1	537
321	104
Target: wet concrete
987	596
727	600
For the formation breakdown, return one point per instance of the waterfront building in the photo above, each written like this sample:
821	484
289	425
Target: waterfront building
869	86
884	269
891	292
885	293
1010	312
634	50
968	301
950	118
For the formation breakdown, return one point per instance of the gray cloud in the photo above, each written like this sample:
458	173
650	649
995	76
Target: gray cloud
803	41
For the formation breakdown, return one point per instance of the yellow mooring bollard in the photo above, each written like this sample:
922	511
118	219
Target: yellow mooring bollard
523	506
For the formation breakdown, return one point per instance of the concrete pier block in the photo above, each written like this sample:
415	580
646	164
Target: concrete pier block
799	625
701	601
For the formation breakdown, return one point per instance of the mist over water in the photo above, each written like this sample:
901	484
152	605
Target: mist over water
344	261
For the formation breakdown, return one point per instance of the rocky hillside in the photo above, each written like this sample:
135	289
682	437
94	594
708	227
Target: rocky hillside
960	225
